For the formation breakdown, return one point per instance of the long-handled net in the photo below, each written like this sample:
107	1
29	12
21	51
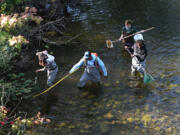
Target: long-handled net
147	78
109	43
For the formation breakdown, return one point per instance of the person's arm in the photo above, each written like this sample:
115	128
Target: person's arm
122	34
78	65
101	64
121	37
39	70
45	52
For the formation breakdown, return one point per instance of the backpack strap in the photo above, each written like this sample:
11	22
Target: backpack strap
85	63
96	62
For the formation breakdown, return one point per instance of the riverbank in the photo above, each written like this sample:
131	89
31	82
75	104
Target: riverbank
26	27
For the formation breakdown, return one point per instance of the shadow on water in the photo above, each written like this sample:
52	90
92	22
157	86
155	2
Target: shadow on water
94	89
48	98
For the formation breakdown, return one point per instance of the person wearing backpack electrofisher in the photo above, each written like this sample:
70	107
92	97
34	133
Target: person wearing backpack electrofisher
92	63
139	55
48	62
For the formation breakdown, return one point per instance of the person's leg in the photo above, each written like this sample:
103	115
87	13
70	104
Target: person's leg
132	70
95	75
51	76
83	80
141	69
133	67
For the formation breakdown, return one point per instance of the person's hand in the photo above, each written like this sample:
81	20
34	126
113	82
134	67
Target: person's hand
45	51
132	55
37	70
37	53
125	47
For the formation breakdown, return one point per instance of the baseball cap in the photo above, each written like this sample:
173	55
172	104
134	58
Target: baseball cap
87	54
138	37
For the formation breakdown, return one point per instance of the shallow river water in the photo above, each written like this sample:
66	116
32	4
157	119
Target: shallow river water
124	105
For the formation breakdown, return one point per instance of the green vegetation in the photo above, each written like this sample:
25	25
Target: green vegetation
11	42
14	85
8	5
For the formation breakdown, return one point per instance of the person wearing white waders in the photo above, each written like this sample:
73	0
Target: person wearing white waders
92	64
48	62
139	55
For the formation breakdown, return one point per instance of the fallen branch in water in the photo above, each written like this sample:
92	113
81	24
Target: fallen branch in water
73	38
49	25
51	22
57	26
46	40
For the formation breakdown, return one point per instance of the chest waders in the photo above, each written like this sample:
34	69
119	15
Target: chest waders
90	74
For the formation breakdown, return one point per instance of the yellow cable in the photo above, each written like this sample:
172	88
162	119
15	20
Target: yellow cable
55	84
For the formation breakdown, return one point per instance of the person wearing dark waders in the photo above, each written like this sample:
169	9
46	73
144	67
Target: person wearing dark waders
48	62
128	29
139	55
92	64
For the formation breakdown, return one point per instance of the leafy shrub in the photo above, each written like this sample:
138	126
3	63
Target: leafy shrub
11	22
8	5
11	40
10	46
19	125
16	86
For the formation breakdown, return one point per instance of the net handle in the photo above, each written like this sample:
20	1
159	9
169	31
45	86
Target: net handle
141	31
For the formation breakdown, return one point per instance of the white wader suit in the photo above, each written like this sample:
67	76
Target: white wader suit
138	61
51	68
91	72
